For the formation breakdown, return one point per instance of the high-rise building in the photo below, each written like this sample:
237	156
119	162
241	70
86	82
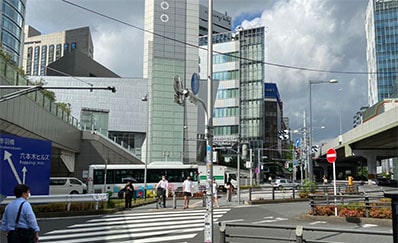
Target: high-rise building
42	50
245	106
170	49
12	22
382	46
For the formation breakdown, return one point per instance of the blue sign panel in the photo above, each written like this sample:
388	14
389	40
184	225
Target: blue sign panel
297	142
24	160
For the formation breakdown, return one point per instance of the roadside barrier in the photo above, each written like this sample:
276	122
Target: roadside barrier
228	229
68	198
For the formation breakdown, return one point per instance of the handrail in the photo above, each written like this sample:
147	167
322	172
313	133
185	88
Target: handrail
68	198
298	232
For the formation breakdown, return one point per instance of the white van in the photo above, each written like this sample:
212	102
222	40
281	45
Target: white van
67	185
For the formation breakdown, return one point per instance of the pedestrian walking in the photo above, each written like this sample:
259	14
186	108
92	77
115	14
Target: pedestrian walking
19	222
230	189
215	196
162	189
188	190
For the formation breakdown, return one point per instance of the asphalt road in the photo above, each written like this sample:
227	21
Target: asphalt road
288	214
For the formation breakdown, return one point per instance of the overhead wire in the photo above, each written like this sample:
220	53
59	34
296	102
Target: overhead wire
227	54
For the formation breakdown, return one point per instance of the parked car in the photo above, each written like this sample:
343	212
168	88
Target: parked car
67	185
386	182
284	183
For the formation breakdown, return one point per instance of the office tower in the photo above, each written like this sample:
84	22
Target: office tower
12	22
245	107
170	49
382	46
42	50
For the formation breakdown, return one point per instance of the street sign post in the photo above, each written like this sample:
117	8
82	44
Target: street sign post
331	156
24	161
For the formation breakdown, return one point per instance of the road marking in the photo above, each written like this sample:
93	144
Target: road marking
369	225
232	220
270	219
318	222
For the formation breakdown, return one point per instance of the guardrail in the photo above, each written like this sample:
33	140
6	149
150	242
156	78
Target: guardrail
68	198
293	192
226	236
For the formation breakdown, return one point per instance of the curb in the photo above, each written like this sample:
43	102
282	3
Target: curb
254	202
355	220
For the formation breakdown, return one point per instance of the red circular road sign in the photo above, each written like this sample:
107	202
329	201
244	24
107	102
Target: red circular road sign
331	156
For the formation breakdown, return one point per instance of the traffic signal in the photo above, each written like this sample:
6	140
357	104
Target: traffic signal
283	135
178	95
314	149
297	153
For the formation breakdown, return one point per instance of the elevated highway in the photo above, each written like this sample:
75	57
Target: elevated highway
375	139
37	116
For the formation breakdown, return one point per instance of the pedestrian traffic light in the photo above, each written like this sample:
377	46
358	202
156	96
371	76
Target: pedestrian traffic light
297	153
244	151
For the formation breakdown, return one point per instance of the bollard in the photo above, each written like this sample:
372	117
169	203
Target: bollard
367	206
312	205
174	200
299	234
204	199
222	231
394	206
294	195
273	193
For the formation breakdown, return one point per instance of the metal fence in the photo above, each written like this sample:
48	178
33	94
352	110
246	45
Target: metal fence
227	232
67	198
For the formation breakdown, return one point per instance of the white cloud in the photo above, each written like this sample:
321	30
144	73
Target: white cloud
313	34
319	34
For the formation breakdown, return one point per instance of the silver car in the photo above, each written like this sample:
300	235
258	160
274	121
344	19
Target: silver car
284	183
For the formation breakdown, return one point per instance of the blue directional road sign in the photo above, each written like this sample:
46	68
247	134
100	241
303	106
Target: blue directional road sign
24	160
297	142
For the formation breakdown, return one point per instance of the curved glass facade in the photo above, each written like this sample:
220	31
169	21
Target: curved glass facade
12	22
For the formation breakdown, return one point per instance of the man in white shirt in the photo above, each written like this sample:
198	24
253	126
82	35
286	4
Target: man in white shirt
162	188
188	190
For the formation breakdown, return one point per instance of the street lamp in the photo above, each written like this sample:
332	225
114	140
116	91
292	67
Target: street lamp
145	99
311	82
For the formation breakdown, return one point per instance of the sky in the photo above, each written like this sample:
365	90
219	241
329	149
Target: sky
326	35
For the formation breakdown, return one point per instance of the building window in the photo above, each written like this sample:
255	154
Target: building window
58	51
43	60
66	48
36	61
73	46
50	54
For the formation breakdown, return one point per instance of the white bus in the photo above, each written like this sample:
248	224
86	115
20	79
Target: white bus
175	172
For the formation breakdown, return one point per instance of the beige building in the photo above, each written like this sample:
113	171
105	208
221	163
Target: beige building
41	50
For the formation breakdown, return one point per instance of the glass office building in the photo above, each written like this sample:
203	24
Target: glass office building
238	65
12	23
382	49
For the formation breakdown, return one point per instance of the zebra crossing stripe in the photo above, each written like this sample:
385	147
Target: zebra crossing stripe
115	235
151	216
134	227
123	221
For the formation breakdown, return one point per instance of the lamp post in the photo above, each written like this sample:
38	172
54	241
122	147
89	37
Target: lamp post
311	82
341	130
145	98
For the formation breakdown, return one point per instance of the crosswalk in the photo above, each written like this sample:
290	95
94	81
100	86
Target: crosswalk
135	227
